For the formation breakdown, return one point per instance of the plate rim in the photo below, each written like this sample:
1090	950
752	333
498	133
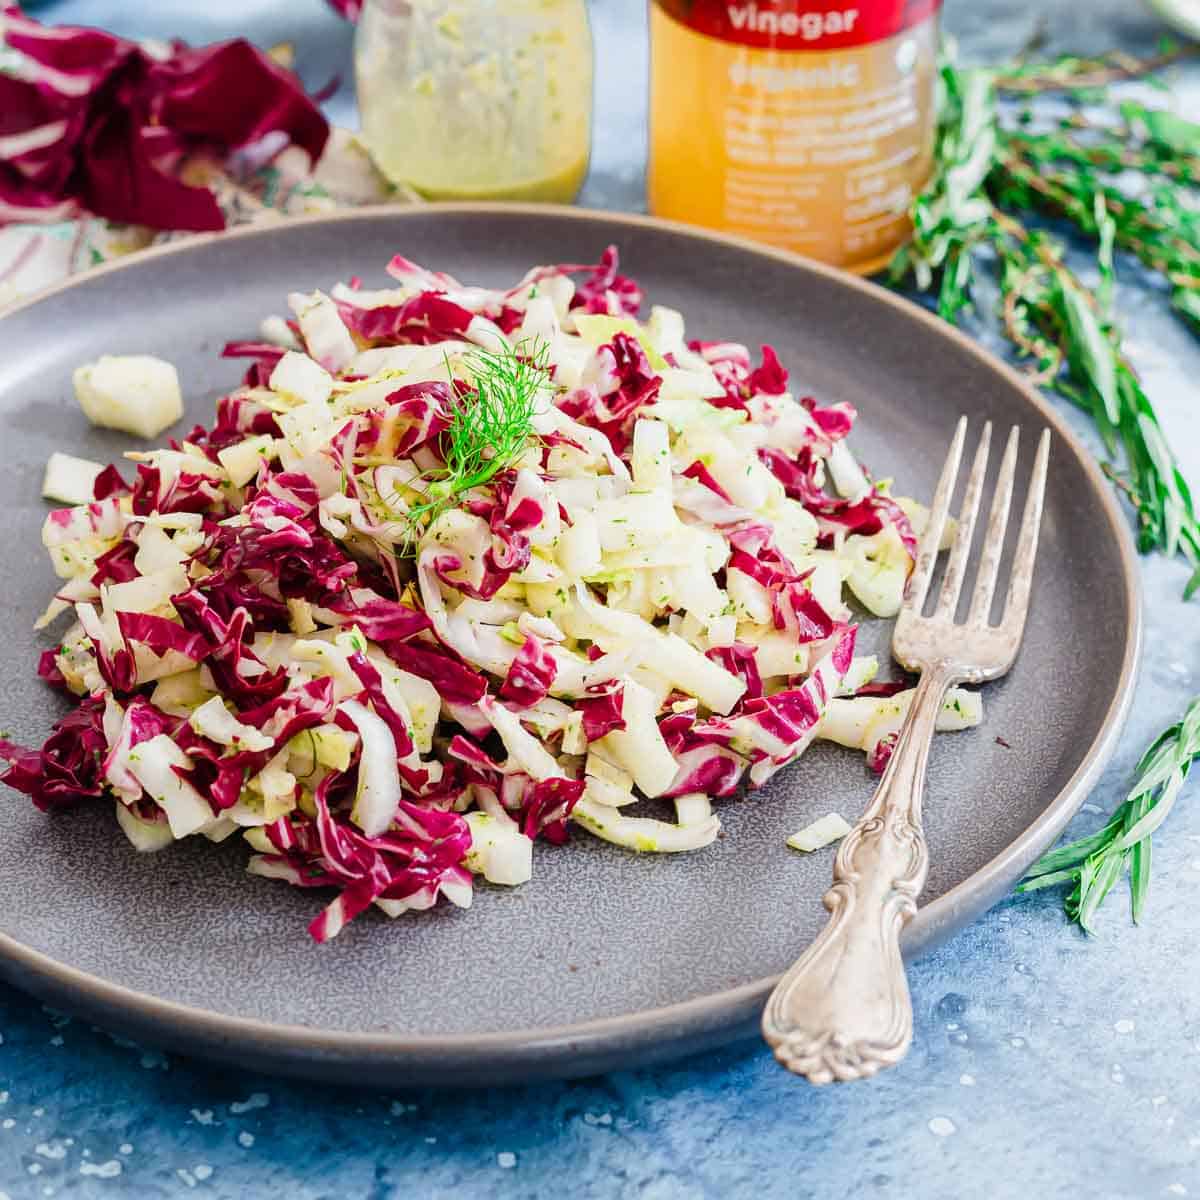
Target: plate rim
661	1031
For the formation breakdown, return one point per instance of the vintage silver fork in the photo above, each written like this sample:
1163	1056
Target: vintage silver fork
843	1011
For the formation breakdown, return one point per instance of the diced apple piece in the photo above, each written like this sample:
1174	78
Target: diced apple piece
241	460
68	479
499	852
135	393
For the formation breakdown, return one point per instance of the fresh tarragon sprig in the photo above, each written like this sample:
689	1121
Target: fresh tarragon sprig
491	424
1094	864
973	216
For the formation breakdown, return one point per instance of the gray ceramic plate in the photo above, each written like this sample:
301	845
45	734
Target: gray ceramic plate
605	958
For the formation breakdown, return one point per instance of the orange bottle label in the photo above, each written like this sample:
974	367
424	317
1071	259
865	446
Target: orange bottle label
802	123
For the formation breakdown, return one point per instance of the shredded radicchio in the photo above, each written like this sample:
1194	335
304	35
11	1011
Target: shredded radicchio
300	624
94	123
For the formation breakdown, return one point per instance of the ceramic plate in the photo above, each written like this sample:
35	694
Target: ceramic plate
605	958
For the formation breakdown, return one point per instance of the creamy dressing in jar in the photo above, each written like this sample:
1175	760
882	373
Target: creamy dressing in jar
477	99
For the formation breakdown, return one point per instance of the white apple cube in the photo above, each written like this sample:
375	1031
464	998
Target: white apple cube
242	460
499	852
68	479
135	393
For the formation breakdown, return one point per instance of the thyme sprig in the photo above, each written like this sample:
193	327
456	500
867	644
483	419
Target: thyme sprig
1094	864
974	216
1070	72
1070	172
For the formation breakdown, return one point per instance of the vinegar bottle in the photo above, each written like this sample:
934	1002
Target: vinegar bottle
808	124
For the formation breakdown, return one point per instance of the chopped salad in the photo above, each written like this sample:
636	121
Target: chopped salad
457	570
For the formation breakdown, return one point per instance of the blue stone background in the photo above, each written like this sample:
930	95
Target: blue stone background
1044	1065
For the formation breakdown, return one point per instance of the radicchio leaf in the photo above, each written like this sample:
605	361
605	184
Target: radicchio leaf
423	319
67	768
454	679
546	806
531	674
95	122
602	710
604	290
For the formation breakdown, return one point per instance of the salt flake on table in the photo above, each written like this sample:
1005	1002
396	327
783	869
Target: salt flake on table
104	1170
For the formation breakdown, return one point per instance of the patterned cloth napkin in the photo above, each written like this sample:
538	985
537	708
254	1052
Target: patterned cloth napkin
34	256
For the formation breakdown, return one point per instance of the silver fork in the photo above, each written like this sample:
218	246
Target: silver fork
843	1011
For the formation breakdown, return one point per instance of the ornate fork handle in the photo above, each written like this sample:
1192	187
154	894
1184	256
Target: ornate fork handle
843	1010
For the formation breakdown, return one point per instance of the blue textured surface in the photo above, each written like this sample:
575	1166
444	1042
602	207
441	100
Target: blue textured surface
1043	1065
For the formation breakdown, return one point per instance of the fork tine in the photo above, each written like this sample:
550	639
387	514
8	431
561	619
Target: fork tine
931	539
1017	603
957	566
993	538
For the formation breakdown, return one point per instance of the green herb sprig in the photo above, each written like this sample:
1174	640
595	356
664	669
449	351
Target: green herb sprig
1067	173
491	424
1071	72
990	176
1094	864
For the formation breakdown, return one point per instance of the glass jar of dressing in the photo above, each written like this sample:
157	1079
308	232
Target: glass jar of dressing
477	99
805	123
